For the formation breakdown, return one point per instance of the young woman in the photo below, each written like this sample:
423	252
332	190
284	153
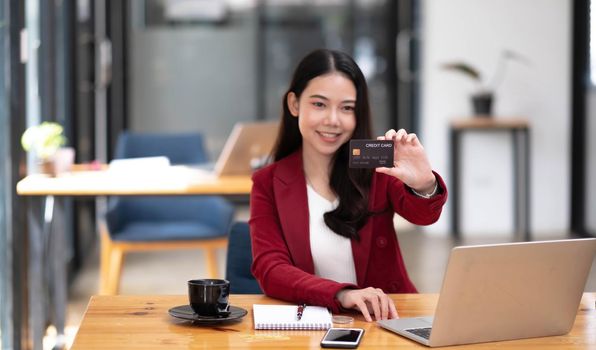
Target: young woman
322	233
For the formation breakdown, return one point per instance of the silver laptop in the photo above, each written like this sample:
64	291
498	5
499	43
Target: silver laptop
247	148
503	292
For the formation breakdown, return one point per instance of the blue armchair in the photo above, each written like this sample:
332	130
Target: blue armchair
161	222
239	260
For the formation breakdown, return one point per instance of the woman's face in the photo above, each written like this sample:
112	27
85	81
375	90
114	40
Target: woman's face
325	112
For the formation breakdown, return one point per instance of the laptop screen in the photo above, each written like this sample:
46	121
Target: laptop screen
248	147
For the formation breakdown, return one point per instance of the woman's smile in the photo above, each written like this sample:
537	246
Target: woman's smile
330	137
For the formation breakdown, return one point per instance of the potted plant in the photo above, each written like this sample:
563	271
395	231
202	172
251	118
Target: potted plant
46	141
483	97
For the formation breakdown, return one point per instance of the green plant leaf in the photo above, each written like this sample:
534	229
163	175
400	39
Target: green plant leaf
515	56
43	139
463	68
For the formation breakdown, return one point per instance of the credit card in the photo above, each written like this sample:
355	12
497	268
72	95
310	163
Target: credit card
371	153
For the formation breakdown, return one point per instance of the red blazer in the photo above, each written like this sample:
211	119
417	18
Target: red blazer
282	260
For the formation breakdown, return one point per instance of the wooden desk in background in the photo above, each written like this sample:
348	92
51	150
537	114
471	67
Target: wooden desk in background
178	181
46	270
143	322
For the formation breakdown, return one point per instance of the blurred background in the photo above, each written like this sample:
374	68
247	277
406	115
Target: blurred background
100	67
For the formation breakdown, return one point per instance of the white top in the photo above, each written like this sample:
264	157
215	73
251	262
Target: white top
331	253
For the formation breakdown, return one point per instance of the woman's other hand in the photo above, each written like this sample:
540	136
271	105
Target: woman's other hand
368	301
410	163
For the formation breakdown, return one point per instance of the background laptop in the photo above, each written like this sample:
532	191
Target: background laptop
505	291
248	146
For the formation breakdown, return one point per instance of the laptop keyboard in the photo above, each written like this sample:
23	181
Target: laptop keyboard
421	332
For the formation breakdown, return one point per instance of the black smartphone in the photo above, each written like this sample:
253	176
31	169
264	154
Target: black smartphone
343	338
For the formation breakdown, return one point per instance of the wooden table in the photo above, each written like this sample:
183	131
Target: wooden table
519	128
174	181
46	265
142	322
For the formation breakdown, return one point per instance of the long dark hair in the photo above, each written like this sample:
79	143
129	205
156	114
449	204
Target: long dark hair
350	185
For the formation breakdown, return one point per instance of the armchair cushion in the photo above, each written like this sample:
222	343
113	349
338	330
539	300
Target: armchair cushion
168	218
146	231
239	260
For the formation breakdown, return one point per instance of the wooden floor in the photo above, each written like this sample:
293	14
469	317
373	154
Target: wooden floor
167	272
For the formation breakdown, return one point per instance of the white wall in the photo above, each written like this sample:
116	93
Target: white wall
477	31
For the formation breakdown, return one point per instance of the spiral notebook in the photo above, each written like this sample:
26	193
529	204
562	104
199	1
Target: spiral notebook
284	317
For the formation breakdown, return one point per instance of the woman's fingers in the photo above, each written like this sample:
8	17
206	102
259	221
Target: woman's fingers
384	304
363	309
384	299
395	171
383	170
390	134
411	138
370	301
400	135
392	309
373	300
378	301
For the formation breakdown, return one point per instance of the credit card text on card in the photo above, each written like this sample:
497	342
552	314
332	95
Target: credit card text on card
371	153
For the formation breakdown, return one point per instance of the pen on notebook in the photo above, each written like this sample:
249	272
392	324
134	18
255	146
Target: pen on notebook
299	311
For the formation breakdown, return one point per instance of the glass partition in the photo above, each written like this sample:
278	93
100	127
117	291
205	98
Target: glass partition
4	158
289	30
195	62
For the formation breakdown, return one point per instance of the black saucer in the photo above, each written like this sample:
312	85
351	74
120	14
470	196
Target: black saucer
186	312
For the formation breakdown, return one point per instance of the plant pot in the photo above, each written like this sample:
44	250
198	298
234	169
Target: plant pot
482	104
64	159
60	162
48	167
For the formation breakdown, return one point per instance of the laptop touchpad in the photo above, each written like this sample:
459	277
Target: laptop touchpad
410	322
420	322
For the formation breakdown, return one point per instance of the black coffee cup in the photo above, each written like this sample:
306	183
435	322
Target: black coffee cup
209	297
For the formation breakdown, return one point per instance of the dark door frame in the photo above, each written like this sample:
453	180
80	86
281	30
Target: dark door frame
16	334
580	73
118	21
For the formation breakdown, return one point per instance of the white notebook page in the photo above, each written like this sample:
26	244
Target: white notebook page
284	317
